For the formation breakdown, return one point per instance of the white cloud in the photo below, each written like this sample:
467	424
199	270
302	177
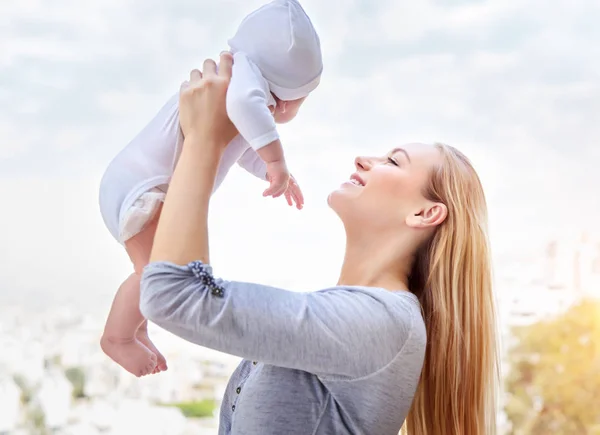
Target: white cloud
15	141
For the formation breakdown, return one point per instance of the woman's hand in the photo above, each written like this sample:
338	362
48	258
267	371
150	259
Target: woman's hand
202	109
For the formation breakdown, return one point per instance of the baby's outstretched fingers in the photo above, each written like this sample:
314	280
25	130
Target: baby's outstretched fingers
288	197
299	200
280	191
296	192
272	190
276	189
268	192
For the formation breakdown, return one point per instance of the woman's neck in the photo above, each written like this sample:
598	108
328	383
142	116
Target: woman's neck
376	262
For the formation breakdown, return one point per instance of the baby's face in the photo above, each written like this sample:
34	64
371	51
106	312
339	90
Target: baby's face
285	111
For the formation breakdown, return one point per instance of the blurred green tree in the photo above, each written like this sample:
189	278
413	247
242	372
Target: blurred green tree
26	390
76	376
553	384
196	409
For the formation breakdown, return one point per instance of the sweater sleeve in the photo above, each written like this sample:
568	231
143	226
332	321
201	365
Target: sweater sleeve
248	99
252	163
327	332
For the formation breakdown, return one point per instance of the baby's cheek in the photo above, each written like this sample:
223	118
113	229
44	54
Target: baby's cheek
283	117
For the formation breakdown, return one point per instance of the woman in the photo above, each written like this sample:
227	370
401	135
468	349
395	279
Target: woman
408	334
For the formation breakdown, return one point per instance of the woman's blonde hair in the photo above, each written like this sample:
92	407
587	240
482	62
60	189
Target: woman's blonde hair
452	277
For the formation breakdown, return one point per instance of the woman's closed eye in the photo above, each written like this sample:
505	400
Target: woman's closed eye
393	161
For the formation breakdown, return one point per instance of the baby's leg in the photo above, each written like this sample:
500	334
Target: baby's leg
142	336
119	341
123	340
139	248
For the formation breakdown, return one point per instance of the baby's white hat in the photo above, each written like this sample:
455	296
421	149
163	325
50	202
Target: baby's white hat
281	40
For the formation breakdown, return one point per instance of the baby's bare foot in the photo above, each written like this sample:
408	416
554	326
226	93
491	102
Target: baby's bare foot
161	362
130	354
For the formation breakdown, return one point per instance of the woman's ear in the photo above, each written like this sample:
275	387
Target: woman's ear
432	215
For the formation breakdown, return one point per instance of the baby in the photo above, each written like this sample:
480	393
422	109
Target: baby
277	64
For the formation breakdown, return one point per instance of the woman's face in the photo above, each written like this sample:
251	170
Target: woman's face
385	192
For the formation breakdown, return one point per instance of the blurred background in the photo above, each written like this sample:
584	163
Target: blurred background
515	84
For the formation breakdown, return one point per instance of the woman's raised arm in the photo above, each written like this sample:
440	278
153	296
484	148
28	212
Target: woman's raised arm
182	232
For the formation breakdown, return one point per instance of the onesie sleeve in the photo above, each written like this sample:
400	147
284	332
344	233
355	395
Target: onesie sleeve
248	97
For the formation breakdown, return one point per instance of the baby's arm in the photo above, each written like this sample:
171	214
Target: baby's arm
247	107
252	163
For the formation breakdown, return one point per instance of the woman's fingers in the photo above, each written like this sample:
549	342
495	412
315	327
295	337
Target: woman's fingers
209	68
225	64
195	75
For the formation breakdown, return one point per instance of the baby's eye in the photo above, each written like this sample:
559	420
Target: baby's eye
392	161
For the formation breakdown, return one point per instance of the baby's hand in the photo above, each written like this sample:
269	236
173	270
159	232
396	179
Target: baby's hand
279	177
294	194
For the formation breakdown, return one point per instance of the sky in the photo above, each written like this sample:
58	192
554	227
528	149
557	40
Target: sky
515	84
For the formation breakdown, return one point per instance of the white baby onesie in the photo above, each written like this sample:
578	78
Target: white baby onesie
135	181
276	51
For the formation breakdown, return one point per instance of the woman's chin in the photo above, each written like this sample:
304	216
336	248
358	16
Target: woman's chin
339	197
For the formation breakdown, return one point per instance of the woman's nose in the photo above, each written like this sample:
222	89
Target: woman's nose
363	163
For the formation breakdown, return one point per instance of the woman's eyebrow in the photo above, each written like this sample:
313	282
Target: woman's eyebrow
401	150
